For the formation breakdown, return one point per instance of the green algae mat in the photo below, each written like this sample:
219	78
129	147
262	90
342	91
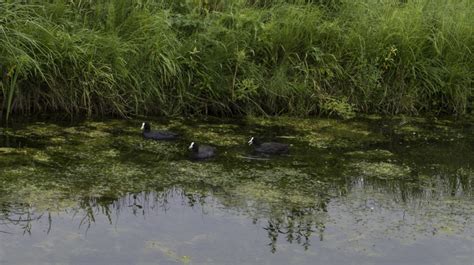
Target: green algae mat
362	191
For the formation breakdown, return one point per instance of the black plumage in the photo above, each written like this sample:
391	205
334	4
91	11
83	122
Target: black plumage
269	148
201	151
156	135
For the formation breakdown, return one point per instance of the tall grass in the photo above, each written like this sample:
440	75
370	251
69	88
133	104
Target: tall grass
223	57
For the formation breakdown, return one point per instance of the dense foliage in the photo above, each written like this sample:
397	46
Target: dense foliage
231	57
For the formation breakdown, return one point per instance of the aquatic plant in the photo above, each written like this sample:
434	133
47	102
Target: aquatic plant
220	57
372	186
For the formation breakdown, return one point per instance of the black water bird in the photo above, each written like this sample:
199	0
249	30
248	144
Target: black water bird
201	151
269	148
156	135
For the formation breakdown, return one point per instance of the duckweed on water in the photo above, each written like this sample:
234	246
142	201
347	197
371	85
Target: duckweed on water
127	162
375	154
9	150
416	131
381	170
358	176
325	133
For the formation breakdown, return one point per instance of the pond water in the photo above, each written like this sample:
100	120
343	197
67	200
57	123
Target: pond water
360	191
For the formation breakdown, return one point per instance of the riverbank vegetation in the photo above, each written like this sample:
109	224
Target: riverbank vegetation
234	57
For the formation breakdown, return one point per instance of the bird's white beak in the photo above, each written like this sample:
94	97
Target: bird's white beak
250	141
191	145
143	126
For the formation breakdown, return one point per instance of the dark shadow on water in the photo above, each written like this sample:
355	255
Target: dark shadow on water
11	141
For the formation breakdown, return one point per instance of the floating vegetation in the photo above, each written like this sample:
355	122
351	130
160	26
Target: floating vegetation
339	174
427	131
9	151
325	133
380	170
170	254
375	154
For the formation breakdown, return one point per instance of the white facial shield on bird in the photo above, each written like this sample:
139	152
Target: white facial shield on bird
250	141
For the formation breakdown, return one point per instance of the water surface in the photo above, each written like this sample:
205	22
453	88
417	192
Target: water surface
361	191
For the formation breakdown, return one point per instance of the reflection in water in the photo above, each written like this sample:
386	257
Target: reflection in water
295	225
345	186
23	218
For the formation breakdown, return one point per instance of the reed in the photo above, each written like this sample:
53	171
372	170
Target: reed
226	58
